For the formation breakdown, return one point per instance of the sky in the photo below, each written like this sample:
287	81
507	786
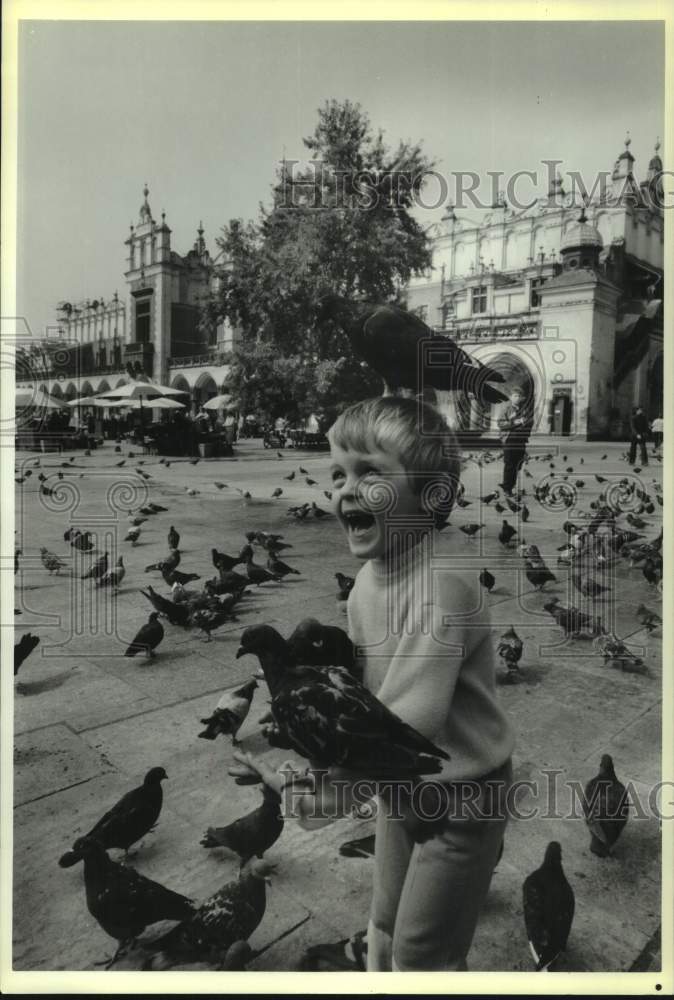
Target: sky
204	112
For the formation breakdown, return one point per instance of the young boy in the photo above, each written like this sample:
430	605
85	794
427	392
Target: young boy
425	646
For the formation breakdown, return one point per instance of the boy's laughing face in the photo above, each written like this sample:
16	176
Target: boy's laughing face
368	487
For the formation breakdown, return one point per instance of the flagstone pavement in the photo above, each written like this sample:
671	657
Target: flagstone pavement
89	723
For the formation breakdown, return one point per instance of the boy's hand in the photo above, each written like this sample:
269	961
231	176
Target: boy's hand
250	769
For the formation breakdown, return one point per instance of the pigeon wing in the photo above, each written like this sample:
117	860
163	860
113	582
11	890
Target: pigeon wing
533	897
334	719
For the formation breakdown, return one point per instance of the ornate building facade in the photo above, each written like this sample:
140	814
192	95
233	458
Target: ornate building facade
564	297
153	328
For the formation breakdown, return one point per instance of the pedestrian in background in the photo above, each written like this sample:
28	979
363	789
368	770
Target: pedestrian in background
515	425
639	431
657	430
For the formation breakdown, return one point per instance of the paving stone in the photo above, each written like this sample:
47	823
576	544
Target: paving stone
50	759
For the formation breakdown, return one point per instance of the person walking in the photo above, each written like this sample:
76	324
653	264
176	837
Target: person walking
639	430
657	430
515	425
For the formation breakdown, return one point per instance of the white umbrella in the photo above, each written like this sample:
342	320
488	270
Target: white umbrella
217	402
141	390
38	399
137	404
82	401
165	404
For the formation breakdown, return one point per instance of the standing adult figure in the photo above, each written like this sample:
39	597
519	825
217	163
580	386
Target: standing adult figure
639	431
515	425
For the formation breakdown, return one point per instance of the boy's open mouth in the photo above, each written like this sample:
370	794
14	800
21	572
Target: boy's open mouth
358	521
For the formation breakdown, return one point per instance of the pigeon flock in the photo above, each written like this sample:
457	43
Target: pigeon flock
316	704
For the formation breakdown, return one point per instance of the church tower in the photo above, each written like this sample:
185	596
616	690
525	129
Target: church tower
148	277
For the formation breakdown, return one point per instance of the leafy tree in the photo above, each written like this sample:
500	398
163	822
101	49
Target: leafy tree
264	381
340	223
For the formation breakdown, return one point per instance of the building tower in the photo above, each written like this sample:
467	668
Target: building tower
580	304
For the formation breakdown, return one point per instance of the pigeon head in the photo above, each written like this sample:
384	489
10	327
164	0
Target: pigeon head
553	854
69	859
271	649
260	639
155	776
311	630
84	848
606	765
259	870
154	616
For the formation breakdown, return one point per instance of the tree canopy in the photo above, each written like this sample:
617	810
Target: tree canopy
339	222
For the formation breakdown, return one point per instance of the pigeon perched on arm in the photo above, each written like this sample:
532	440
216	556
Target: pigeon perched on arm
229	713
134	815
327	716
252	834
606	808
317	645
549	905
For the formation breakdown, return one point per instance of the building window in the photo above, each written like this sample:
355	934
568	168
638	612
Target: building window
536	285
479	299
143	321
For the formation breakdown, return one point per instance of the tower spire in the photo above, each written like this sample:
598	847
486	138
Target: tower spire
145	211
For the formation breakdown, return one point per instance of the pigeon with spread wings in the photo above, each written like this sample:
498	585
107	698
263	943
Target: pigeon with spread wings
397	345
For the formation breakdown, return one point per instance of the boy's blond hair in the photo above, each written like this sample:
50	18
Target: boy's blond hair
418	434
